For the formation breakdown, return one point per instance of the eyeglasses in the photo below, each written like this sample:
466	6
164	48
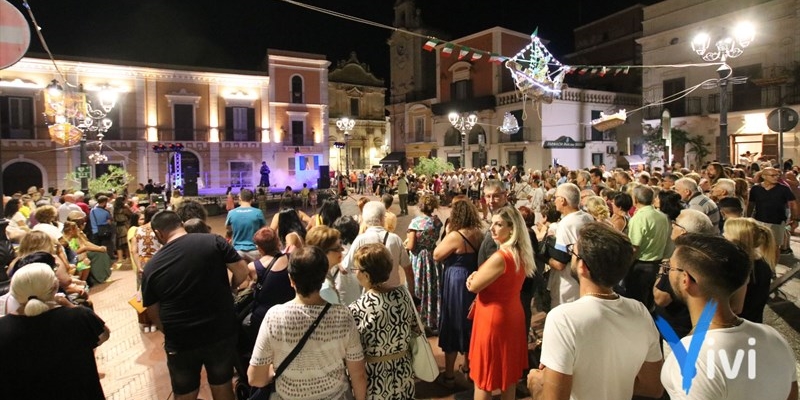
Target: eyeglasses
339	249
571	251
679	226
665	268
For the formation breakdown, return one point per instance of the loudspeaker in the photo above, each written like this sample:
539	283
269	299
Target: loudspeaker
190	174
190	188
324	181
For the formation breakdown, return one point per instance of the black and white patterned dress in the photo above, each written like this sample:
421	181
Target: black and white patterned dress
385	322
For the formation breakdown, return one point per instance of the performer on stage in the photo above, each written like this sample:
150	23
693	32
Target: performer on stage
264	174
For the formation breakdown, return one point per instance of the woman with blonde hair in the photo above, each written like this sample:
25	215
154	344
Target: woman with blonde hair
81	247
28	338
598	209
386	322
756	239
37	241
330	241
497	360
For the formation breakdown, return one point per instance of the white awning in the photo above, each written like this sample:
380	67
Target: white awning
635	160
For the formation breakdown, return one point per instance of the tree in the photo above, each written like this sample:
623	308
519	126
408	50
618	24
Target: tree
430	166
115	181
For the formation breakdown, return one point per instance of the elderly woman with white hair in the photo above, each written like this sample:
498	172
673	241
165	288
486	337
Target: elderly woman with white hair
39	352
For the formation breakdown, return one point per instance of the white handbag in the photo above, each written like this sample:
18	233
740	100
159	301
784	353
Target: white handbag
422	360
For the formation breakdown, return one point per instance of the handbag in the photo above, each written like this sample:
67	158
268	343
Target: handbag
246	298
264	393
103	231
422	360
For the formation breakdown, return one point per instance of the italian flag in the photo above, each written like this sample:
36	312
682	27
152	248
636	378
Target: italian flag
496	58
431	44
463	53
448	49
476	56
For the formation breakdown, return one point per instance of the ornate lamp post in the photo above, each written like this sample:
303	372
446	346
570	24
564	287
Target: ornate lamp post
346	125
727	46
74	116
464	123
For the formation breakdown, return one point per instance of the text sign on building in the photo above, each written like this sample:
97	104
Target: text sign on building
83	172
563	142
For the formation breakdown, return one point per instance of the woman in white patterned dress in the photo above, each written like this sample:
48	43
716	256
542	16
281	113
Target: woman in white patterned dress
385	319
320	370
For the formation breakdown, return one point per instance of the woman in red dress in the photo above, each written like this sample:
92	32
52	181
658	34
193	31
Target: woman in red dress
499	349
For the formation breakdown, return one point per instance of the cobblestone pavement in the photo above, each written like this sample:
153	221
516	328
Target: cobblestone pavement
133	363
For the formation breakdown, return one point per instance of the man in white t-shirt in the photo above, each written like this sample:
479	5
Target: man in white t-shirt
738	359
563	287
374	215
602	346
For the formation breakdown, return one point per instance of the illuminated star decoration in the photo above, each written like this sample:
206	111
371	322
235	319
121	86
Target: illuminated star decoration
531	70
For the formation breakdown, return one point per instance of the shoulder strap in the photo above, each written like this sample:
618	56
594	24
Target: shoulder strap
268	269
385	238
467	241
301	343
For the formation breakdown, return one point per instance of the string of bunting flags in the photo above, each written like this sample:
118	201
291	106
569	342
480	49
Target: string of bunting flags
475	54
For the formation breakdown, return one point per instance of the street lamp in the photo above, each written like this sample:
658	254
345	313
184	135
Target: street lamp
346	124
464	123
726	47
74	116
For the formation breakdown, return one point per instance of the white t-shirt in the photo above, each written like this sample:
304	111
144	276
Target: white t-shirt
564	288
601	343
347	284
771	361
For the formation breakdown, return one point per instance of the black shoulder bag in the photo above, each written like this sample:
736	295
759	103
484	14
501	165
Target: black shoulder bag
264	393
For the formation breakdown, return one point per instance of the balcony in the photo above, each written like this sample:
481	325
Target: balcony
524	135
466	105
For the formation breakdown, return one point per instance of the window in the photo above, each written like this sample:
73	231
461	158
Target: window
597	135
746	96
597	158
183	121
298	133
419	129
240	124
241	173
297	90
477	159
292	167
517	137
102	169
455	160
16	117
516	158
356	161
452	137
354	107
672	87
461	90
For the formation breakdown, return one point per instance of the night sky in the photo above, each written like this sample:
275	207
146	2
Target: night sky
235	34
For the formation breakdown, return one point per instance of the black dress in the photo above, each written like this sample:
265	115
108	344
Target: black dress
454	327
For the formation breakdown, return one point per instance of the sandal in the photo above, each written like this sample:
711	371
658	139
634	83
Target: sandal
449	383
464	369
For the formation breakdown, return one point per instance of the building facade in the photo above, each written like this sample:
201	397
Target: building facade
770	65
227	121
487	90
355	93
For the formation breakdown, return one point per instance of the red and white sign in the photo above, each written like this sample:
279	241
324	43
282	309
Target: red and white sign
15	36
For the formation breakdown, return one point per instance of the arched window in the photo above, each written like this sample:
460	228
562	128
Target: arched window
452	137
297	89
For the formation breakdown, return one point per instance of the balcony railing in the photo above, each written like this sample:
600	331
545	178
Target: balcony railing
524	135
466	105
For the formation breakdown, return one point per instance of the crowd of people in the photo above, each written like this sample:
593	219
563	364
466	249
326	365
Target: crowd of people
336	299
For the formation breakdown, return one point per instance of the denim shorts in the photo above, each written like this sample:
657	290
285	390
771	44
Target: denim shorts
184	365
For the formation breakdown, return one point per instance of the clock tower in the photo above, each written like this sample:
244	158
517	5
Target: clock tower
413	69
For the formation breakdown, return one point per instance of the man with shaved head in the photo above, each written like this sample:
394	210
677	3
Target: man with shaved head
68	206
